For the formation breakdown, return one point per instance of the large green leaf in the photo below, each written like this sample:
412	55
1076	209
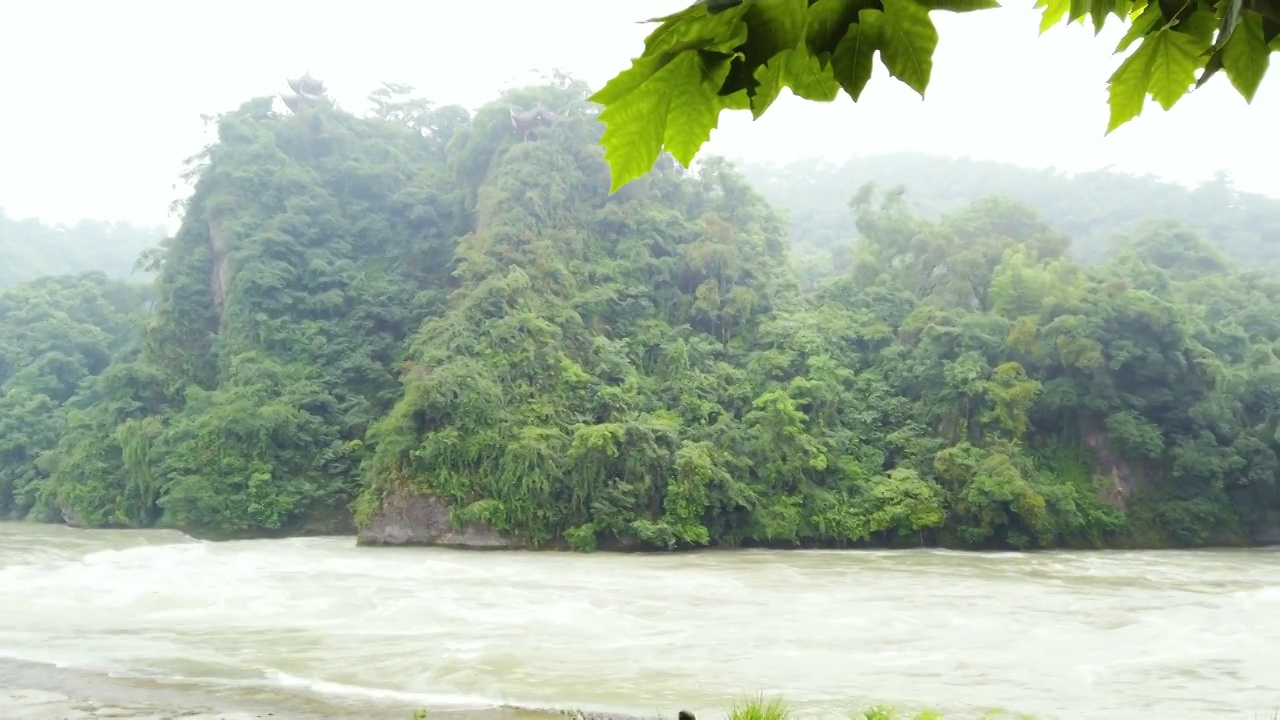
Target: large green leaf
696	111
770	79
1078	9
830	20
773	28
1098	11
1164	66
1176	59
1054	11
808	79
798	70
907	41
1202	25
692	28
854	58
675	106
1246	55
660	97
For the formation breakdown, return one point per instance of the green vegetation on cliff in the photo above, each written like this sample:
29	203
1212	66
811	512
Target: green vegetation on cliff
56	334
426	302
313	245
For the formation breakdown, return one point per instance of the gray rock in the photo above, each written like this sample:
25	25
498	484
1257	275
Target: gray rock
423	519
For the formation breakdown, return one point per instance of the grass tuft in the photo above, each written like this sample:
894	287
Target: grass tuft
760	709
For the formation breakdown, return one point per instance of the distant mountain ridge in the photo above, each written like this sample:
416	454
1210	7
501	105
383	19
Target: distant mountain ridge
30	249
1091	208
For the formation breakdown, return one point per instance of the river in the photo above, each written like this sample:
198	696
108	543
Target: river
144	623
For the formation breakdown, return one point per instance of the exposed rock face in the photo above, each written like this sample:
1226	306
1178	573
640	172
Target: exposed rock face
71	518
411	519
1121	477
220	276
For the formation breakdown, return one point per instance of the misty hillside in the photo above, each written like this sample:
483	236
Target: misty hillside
30	249
1090	208
1093	209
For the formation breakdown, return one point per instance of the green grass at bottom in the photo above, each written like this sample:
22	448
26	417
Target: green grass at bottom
762	708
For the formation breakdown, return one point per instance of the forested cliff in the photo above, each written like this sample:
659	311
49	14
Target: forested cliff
425	306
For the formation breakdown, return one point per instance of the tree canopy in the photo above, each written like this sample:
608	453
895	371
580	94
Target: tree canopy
721	55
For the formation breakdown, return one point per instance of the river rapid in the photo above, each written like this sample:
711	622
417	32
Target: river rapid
153	624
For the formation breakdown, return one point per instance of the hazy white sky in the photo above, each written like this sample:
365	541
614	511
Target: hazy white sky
102	101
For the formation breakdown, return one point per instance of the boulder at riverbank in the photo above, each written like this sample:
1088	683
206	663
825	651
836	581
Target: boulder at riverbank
424	519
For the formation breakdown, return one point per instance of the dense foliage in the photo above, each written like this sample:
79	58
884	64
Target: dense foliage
30	249
720	55
961	385
55	334
422	301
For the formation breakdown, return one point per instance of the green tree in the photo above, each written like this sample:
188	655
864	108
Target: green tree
57	334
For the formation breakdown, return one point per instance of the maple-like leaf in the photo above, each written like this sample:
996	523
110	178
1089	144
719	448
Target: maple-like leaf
1164	67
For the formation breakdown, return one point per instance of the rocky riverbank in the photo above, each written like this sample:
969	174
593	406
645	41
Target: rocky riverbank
410	519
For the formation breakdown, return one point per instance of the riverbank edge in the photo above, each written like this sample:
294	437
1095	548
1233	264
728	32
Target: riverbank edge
424	520
622	549
619	548
414	517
